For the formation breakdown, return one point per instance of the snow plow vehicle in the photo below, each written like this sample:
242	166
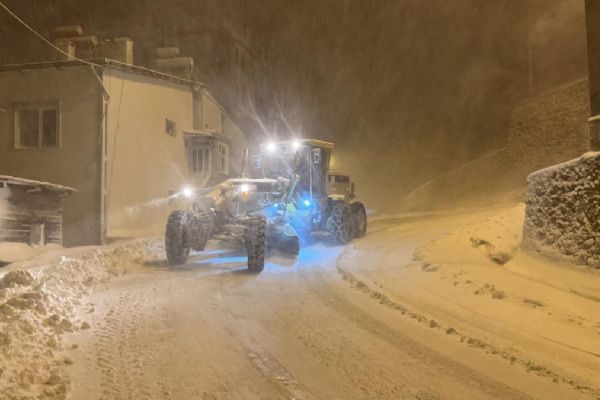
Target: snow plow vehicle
319	201
230	211
291	196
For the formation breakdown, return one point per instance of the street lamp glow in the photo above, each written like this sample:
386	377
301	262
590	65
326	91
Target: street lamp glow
271	147
296	144
244	188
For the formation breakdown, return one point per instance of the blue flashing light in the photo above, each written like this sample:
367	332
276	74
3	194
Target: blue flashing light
307	203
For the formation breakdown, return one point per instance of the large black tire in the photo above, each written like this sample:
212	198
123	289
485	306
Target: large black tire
177	238
201	227
339	223
256	244
359	220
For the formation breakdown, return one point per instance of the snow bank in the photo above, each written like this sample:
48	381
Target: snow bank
494	238
36	308
563	211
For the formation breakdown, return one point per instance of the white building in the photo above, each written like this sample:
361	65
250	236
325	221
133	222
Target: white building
123	136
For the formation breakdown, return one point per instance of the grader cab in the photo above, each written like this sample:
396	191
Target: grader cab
320	200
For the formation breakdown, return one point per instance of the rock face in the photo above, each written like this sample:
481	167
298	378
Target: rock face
562	215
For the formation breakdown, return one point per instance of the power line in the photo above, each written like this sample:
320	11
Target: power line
15	16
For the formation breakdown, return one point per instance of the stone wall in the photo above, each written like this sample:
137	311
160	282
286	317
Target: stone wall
562	215
544	130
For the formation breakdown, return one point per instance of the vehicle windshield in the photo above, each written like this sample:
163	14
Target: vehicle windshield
284	161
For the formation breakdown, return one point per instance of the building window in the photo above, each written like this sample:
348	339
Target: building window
200	160
37	125
223	158
170	127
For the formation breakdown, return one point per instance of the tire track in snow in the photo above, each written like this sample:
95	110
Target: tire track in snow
119	356
428	358
473	342
261	359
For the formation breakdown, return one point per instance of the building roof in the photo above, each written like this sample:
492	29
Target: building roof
52	187
103	63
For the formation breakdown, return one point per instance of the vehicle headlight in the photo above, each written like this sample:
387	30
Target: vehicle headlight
188	192
271	147
246	188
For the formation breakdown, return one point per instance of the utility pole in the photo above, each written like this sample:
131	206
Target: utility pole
592	17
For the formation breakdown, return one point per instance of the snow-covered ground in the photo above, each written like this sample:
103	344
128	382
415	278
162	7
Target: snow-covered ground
38	299
473	283
437	307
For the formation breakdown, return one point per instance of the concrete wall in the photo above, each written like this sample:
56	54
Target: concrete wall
562	216
143	161
543	130
76	162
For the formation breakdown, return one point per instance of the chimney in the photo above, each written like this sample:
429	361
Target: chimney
169	61
71	40
68	48
119	49
61	32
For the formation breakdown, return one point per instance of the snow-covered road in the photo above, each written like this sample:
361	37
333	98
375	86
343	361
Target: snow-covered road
410	311
393	328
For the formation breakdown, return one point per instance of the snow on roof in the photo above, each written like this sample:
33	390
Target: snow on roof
11	180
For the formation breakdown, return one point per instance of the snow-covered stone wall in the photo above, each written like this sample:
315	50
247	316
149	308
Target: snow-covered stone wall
562	215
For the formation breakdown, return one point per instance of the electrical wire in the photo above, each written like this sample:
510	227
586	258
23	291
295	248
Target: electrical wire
70	56
15	16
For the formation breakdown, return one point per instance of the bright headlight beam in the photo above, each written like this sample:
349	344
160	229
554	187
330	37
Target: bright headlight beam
296	144
188	191
244	188
271	147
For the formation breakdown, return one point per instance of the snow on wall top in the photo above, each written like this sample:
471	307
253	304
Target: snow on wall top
570	163
11	180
